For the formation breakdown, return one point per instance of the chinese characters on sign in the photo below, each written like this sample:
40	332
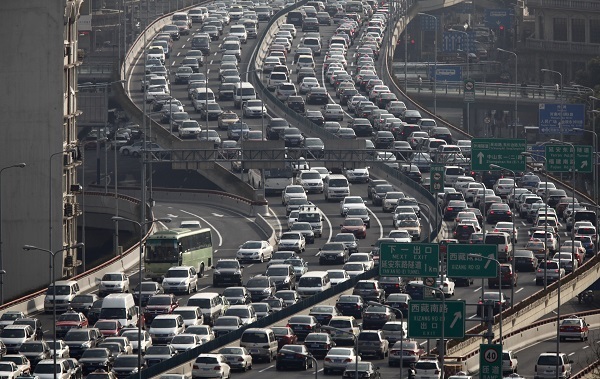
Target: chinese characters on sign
409	259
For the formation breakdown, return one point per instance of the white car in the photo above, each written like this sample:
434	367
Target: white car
400	235
135	150
357	175
354	268
504	186
390	200
292	191
308	83
211	366
254	108
337	276
447	286
351	202
310	180
60	348
238	358
427	369
132	335
254	251
506	227
10	370
113	282
185	341
292	241
292	218
338	358
155	91
462	182
189	129
180	279
365	258
333	112
471	190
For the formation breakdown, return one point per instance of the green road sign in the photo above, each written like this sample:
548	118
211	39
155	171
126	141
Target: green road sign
490	361
425	319
436	174
503	152
559	158
460	265
469	91
410	260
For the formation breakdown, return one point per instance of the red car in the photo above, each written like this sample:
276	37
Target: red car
285	336
507	277
69	320
159	305
354	225
109	328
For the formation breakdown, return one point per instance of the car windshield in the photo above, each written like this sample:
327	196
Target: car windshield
164	323
112	277
176	274
227	264
159	300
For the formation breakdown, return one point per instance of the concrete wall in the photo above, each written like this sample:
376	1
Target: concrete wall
31	104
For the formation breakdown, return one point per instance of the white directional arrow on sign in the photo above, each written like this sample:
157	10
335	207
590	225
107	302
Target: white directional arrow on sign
583	164
488	261
457	316
480	157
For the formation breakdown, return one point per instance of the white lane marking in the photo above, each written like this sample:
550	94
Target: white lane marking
207	71
207	223
250	265
265	369
183	46
203	288
378	222
570	354
477	289
329	225
211	61
585	347
472	317
423	343
179	53
215	251
519	290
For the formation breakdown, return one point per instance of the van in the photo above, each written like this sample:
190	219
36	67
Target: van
336	187
313	43
295	18
275	79
200	96
586	216
504	243
65	292
120	306
210	303
243	91
451	174
313	282
312	215
260	342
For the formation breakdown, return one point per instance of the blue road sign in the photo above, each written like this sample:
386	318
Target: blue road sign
538	152
573	116
495	18
446	73
453	41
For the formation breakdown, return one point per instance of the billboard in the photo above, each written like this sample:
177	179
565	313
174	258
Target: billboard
446	73
573	116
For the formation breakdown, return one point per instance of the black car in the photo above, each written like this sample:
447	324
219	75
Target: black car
361	127
83	302
317	95
441	133
383	139
366	370
349	240
399	301
225	91
463	232
333	253
324	313
296	103
499	212
350	305
375	316
318	344
453	208
148	289
493	299
391	284
293	356
316	117
35	351
125	365
369	290
237	295
275	126
305	72
304	325
228	271
411	116
379	192
96	358
412	172
292	137
525	260
310	24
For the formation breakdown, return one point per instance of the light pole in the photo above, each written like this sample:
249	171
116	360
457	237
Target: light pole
140	276
516	88
561	101
435	60
331	328
477	256
396	310
315	362
443	344
18	165
467	52
53	279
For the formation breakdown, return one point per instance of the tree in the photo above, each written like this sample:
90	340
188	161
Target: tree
591	76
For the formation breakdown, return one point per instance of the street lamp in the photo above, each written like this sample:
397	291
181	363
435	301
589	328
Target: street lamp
396	310
435	60
18	165
140	276
467	51
477	256
315	362
516	87
331	328
443	344
53	278
561	101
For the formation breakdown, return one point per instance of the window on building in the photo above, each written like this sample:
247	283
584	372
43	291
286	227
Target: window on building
577	30
594	31
560	29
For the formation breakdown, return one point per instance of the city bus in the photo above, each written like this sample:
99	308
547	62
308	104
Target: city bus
276	179
178	247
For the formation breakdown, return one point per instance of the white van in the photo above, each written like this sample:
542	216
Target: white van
200	95
210	303
260	342
65	292
13	336
313	282
120	306
312	214
336	187
182	16
451	174
243	91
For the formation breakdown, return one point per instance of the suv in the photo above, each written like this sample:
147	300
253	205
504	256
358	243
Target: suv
427	369
228	271
296	103
547	363
508	277
369	290
373	342
182	279
283	275
510	363
552	271
79	340
260	287
503	242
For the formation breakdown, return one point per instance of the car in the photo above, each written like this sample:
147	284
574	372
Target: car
573	327
147	290
366	370
427	369
303	325
226	118
81	303
35	351
525	260
205	365
238	358
257	251
204	331
292	192
261	287
306	229
227	324
366	259
70	320
507	277
369	290
299	266
354	225
324	313
285	336
547	363
20	360
262	309
337	276
354	269
318	344
10	370
289	297
351	202
351	305
373	342
254	108
338	358
108	327
293	241
548	271
180	279
113	282
498	301
159	304
398	301
510	362
227	271
185	341
294	356
333	252
237	295
157	354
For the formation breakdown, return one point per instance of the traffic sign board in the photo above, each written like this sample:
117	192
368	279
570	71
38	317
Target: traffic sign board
410	260
436	174
490	361
425	319
505	152
469	91
460	265
553	121
559	158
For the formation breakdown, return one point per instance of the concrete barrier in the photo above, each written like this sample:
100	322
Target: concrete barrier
267	228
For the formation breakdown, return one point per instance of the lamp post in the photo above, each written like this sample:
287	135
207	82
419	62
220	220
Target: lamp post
140	276
561	100
398	311
443	344
315	362
18	165
516	88
512	217
331	328
435	60
53	279
467	51
477	256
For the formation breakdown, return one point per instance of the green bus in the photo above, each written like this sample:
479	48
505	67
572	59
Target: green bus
178	247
